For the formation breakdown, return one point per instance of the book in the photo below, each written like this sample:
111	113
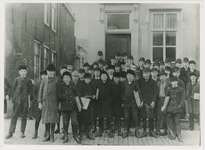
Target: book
196	96
85	102
78	103
137	98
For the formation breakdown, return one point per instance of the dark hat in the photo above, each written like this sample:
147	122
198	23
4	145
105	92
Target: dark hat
131	72
161	63
123	74
87	75
97	68
103	72
174	79
86	64
162	73
148	61
168	68
90	67
117	54
66	73
130	57
64	67
179	61
156	64
116	74
100	61
117	65
145	70
122	63
154	69
95	63
137	72
51	67
110	67
192	74
43	72
100	53
186	59
175	69
192	62
112	57
81	70
142	59
167	60
22	67
104	63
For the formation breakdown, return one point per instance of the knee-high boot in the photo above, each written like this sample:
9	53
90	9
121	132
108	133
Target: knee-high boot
47	135
52	132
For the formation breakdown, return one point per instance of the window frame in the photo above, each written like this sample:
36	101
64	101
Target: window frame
38	56
164	30
55	57
54	6
48	55
47	14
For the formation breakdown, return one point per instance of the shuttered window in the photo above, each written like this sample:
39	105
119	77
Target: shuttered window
164	34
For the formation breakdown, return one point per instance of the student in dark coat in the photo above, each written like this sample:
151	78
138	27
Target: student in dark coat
22	88
184	74
103	103
48	102
116	91
176	73
192	66
174	101
110	71
87	115
193	102
67	94
154	74
94	81
7	93
149	93
130	107
141	66
38	112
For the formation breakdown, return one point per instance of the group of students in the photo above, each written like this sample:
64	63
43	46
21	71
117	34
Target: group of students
113	96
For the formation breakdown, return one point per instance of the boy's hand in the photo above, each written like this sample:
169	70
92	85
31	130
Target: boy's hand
152	104
122	105
7	97
40	106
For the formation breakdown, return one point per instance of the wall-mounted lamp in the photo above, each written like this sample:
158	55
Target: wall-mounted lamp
101	13
135	12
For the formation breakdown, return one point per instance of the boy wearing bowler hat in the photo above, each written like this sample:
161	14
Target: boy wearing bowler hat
130	107
86	67
110	71
22	88
174	101
149	94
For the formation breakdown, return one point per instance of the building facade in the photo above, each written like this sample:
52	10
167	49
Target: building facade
154	31
38	34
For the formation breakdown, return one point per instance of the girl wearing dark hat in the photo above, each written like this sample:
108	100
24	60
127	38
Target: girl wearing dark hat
48	102
103	104
87	115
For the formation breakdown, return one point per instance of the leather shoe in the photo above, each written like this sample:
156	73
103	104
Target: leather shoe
10	135
152	134
23	135
65	140
34	135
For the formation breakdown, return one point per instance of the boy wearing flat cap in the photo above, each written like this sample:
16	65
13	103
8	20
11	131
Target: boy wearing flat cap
176	73
86	67
43	74
22	88
147	63
87	115
141	66
110	71
130	107
185	70
193	91
67	94
149	95
174	101
154	74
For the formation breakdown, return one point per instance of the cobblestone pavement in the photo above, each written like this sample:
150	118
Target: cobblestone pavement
190	138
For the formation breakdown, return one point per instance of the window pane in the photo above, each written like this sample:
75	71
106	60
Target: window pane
118	21
171	53
157	38
171	21
158	21
170	38
157	54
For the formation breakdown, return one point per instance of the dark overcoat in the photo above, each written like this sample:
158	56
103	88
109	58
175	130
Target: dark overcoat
103	103
48	97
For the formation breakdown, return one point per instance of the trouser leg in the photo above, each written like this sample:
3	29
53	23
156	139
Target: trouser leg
191	121
24	116
16	109
126	118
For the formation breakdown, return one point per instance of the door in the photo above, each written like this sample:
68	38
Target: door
117	43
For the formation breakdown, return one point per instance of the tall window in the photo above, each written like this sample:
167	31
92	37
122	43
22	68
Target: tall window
47	14
37	60
54	16
53	57
164	35
46	56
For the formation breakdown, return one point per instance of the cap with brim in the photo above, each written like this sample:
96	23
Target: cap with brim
90	67
146	70
66	73
192	62
148	61
116	74
130	72
103	72
97	69
100	53
85	64
123	74
142	59
87	75
192	74
167	68
111	67
154	69
64	67
75	73
175	69
186	59
51	67
43	72
178	61
161	73
161	63
174	79
95	63
22	67
156	64
81	70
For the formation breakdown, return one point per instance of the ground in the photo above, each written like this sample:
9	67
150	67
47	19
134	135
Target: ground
190	138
